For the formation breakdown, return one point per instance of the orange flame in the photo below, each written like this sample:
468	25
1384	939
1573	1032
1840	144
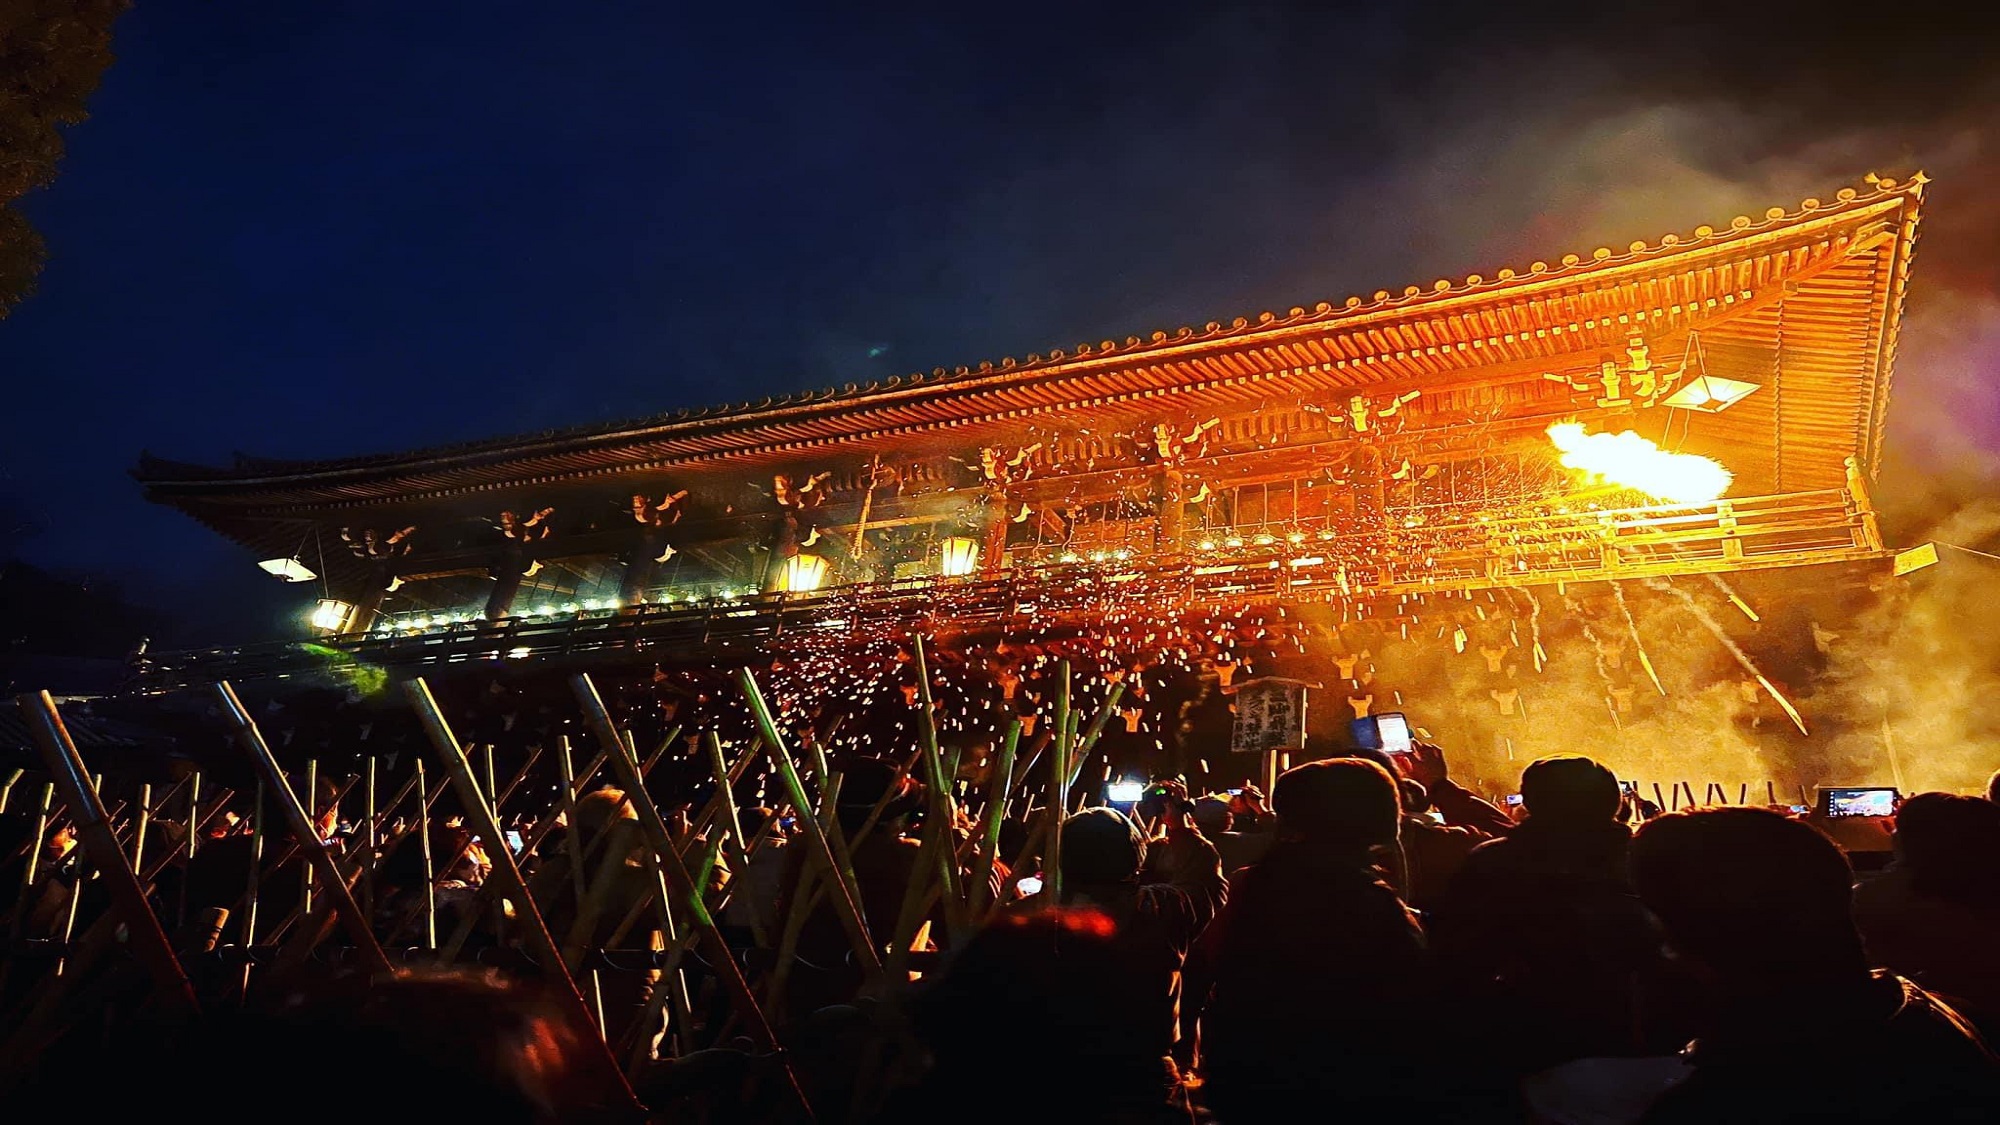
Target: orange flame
1631	461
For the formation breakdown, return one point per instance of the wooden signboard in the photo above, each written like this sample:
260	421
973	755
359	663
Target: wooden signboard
1270	715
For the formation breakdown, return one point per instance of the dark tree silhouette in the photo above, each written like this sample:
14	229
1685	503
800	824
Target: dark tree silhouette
52	52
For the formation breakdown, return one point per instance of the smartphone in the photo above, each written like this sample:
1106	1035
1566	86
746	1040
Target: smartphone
1029	885
1866	801
1124	792
1388	732
1513	800
514	841
1800	810
1630	788
788	822
1395	732
1235	792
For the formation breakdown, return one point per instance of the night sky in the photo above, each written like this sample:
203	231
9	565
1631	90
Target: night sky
316	230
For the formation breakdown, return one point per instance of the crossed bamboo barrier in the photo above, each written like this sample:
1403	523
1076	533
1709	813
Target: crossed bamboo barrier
955	880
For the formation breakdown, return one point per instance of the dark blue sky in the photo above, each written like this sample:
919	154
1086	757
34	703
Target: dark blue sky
309	230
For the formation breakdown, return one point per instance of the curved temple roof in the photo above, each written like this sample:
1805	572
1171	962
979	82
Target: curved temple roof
1842	264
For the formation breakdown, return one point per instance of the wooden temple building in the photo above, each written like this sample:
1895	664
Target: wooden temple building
1516	508
1345	459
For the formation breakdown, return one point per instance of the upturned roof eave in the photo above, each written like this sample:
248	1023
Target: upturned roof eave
1744	236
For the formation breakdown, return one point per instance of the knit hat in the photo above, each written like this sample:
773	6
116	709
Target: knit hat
1344	802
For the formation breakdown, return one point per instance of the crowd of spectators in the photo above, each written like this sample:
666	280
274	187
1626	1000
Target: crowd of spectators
1369	941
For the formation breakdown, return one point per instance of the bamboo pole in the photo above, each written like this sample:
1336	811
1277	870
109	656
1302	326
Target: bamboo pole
388	845
148	940
140	823
881	804
598	718
99	939
943	807
31	868
194	806
79	957
199	823
819	891
1059	789
466	924
69	913
423	831
1000	779
659	751
284	857
370	840
532	928
581	851
910	914
576	942
671	979
805	898
676	952
1088	741
1025	768
193	830
573	832
732	820
356	924
828	782
846	901
312	818
458	855
1036	835
250	888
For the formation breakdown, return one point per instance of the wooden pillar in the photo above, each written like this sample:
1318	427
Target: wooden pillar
1169	486
994	554
1371	509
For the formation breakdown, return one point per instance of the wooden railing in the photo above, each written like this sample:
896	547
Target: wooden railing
1792	529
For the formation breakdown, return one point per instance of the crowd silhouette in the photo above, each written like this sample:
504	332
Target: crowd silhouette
1369	941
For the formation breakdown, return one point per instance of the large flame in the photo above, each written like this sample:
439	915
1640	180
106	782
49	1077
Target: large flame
1631	461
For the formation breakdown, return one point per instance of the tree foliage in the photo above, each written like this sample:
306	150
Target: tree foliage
52	53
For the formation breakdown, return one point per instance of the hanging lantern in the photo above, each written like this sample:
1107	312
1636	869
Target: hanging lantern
330	615
1710	394
958	556
290	569
804	573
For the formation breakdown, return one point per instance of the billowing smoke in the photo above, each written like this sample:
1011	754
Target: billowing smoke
1918	671
1896	678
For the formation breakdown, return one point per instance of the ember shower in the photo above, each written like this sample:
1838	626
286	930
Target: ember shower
1614	502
